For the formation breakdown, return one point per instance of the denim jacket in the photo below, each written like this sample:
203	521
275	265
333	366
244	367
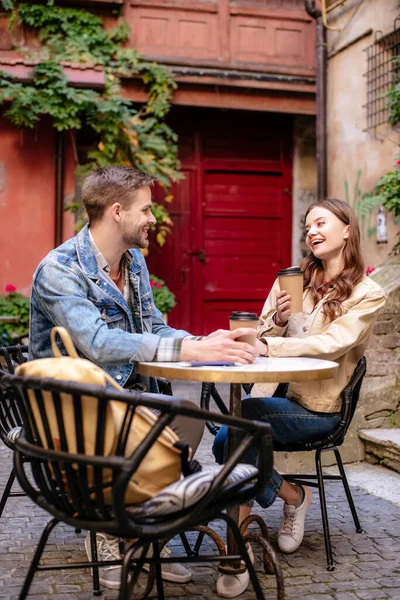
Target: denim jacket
69	290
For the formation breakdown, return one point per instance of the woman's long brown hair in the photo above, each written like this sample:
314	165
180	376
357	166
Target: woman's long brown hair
353	270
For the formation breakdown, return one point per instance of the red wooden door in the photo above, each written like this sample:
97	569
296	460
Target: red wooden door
232	216
244	244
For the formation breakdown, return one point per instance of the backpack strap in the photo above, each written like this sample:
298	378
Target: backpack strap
72	353
66	340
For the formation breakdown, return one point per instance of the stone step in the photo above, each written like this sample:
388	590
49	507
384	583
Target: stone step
374	479
382	447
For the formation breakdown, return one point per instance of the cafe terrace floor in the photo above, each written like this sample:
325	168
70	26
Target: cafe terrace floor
368	564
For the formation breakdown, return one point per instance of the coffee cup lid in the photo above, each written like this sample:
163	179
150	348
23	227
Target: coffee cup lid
290	271
237	315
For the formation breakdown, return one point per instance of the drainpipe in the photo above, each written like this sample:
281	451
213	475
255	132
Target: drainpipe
322	180
60	155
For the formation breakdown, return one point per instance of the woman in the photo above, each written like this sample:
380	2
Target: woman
340	306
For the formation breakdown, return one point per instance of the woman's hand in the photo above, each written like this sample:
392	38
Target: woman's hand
282	308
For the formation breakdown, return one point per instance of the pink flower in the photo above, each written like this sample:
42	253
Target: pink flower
151	283
369	270
398	162
158	285
10	288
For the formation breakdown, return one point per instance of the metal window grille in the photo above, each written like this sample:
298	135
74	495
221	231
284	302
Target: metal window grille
382	73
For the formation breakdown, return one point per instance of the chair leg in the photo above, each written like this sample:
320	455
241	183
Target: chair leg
198	543
7	491
127	586
36	558
243	552
157	565
95	570
347	490
324	512
196	547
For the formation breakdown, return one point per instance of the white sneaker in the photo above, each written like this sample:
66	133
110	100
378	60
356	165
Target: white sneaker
174	572
107	549
291	531
230	586
249	552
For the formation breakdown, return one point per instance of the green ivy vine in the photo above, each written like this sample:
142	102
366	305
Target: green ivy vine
126	135
393	96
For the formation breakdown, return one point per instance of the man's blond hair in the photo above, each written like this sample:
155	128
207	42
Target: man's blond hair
107	185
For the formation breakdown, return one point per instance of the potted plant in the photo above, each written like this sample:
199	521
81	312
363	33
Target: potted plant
164	299
13	304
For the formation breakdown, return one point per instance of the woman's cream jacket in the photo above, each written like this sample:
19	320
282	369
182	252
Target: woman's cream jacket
307	334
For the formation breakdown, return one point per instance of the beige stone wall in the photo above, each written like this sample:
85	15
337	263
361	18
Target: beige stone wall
357	158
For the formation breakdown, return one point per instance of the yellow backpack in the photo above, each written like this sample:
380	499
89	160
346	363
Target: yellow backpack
161	466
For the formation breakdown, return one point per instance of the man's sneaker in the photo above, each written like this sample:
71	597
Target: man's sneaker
107	549
292	527
174	572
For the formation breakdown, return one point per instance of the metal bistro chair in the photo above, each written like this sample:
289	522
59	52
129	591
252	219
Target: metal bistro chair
70	486
349	396
10	418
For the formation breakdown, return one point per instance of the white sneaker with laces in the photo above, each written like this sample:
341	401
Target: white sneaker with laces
174	572
291	531
107	549
230	586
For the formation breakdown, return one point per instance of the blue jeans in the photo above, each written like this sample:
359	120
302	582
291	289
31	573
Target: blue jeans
290	423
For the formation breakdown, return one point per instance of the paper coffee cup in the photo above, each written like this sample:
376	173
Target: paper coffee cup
291	280
244	319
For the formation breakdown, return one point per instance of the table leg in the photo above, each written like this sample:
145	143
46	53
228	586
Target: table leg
233	567
235	408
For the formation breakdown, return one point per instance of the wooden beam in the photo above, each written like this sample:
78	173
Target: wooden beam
222	96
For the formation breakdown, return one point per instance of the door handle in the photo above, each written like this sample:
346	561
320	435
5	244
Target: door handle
199	253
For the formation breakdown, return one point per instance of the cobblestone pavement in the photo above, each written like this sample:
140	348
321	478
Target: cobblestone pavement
368	564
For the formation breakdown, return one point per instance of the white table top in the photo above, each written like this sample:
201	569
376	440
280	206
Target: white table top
262	370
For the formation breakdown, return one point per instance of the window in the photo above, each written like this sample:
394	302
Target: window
382	73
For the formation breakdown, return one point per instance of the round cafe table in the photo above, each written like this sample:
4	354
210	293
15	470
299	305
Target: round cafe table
263	370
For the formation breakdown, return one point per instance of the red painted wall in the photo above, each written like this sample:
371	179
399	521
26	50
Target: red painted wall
27	203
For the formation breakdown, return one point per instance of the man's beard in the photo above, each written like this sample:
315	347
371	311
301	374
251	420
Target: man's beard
136	239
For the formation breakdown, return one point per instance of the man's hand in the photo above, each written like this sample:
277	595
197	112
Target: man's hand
220	345
283	303
262	349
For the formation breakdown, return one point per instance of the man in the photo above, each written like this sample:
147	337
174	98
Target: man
97	286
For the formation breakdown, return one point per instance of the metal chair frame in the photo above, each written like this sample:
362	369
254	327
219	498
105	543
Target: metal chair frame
331	443
9	412
63	488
